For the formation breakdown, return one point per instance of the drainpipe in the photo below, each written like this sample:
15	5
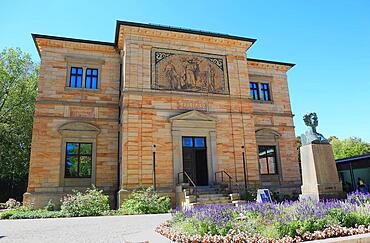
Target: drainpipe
119	138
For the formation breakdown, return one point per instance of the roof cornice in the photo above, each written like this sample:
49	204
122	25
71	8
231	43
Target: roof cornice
271	62
51	37
177	29
157	27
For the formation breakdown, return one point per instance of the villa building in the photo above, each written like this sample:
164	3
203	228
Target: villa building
195	95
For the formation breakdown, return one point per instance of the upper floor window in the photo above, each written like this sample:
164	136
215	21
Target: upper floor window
91	78
78	160
267	160
260	91
265	92
84	77
254	90
75	78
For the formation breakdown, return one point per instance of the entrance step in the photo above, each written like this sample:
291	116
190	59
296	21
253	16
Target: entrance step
212	196
207	198
208	195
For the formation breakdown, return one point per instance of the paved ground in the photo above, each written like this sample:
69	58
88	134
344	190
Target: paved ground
138	228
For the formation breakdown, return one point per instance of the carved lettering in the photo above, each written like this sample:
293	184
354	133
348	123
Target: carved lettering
192	105
78	112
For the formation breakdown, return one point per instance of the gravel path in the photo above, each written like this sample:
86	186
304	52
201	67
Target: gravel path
125	229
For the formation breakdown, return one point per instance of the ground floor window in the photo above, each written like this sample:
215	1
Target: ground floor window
78	160
267	160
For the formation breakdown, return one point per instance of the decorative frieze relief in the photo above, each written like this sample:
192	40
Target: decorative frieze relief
189	71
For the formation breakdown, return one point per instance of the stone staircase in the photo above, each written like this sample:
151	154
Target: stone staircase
200	196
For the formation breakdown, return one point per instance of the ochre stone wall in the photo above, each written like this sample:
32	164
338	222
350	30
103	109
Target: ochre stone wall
277	115
147	111
57	105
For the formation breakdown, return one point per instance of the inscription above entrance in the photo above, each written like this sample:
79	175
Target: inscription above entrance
189	71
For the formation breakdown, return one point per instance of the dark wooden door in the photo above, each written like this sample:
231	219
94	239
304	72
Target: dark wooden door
195	159
189	163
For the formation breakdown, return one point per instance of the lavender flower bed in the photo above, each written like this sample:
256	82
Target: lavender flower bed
286	221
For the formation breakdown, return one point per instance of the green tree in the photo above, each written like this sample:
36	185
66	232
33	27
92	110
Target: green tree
298	144
18	90
349	147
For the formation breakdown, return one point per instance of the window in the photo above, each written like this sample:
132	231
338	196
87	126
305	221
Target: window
260	91
91	78
83	77
265	91
78	160
75	78
199	142
267	160
196	142
254	91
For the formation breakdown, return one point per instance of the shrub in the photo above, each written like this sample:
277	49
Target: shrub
27	212
145	201
90	203
288	229
12	203
7	214
36	214
248	195
50	206
337	215
353	219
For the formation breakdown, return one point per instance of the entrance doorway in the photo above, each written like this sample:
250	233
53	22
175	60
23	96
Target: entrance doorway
194	154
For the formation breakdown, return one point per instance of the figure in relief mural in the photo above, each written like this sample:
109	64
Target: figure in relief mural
172	77
211	79
191	72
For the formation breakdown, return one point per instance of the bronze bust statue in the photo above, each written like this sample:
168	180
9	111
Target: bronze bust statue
312	136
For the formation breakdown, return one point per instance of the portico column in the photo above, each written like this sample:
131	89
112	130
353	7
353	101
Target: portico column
176	154
212	135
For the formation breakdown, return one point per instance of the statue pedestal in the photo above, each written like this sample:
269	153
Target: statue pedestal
319	173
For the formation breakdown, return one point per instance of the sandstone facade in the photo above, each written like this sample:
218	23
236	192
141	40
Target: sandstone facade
128	113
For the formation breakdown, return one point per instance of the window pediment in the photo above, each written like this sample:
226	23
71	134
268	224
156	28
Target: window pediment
193	119
267	132
84	60
79	127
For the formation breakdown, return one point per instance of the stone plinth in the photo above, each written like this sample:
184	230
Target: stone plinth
319	172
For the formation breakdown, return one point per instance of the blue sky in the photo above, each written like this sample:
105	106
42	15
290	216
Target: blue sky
328	40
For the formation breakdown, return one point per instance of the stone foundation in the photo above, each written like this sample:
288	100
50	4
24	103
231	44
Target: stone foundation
40	199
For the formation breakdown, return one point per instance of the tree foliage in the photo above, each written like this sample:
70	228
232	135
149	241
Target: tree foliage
298	141
352	146
18	90
349	147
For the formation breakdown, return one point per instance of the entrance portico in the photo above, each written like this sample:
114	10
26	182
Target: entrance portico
193	125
